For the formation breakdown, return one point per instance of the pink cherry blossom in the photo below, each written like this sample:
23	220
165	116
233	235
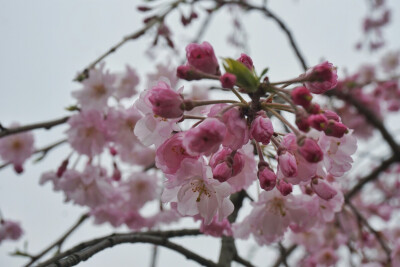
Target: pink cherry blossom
310	150
10	230
237	132
301	96
287	164
151	128
17	148
171	153
97	88
266	176
88	132
205	138
126	83
271	216
337	153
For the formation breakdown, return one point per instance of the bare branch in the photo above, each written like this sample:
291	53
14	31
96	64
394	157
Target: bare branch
86	244
45	125
111	241
282	258
242	261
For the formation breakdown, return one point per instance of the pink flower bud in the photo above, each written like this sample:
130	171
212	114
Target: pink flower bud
113	151
188	73
336	129
266	176
261	128
302	120
202	57
323	189
330	115
62	168
222	172
246	60
301	96
314	109
310	150
228	80
18	168
321	78
284	187
165	102
287	164
318	121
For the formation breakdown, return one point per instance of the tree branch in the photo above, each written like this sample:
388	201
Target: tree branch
284	255
45	125
370	177
60	241
86	244
111	241
242	261
371	229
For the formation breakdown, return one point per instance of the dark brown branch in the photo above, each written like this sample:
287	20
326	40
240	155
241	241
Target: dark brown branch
370	177
84	245
45	125
228	249
242	261
371	229
60	241
85	254
282	258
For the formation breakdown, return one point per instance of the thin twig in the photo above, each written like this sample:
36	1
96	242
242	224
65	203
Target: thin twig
45	125
60	241
284	256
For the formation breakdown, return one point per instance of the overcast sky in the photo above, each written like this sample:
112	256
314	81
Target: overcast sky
46	42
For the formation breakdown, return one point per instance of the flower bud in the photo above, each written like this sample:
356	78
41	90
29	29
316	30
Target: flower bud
318	121
166	102
330	115
261	129
323	189
202	57
228	80
222	172
302	120
321	78
301	96
266	176
336	129
310	150
287	164
246	60
284	187
188	73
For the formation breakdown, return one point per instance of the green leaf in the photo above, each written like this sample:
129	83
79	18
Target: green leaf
244	77
264	71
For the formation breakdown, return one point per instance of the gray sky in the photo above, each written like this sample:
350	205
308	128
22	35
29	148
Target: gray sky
46	42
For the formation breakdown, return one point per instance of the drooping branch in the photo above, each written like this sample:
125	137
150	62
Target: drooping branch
41	125
87	244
